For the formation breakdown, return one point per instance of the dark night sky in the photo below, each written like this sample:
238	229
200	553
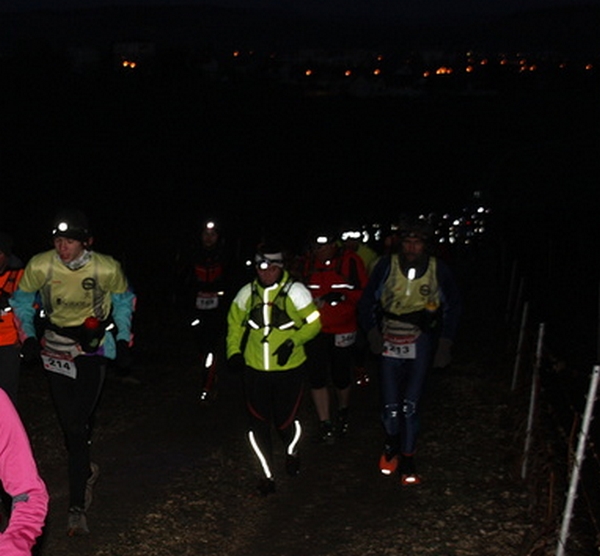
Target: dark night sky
385	8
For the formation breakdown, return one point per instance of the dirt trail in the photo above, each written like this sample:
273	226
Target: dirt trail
177	477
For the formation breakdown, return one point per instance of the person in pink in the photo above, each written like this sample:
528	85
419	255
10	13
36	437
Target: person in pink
21	481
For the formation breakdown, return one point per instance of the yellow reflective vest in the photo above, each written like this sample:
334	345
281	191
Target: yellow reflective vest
401	295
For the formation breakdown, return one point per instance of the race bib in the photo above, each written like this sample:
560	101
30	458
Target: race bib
60	363
345	340
400	347
206	301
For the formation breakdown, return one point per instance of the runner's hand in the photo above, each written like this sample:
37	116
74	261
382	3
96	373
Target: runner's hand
283	352
30	350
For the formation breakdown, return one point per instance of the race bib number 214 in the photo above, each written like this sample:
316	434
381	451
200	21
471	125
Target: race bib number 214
60	363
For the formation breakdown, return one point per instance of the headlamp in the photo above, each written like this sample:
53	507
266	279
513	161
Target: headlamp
351	235
264	261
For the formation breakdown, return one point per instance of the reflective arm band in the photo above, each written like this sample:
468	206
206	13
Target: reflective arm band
312	317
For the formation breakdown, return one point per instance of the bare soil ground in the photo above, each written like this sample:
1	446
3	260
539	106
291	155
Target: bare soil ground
177	477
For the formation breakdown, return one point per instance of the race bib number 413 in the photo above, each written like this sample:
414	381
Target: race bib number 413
400	347
60	363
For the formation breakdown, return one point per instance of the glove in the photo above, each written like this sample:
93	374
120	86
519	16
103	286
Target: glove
333	298
30	350
124	359
442	356
236	363
4	297
283	352
375	340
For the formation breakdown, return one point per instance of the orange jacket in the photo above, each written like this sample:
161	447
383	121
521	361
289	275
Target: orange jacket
9	280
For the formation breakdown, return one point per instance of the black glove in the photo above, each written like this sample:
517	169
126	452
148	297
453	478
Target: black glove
4	297
283	352
236	363
124	358
333	298
30	350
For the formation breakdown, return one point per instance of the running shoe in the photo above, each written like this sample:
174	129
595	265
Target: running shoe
388	463
265	486
408	472
325	434
342	422
410	479
77	522
292	464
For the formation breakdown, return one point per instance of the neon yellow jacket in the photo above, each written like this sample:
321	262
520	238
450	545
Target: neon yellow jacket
261	319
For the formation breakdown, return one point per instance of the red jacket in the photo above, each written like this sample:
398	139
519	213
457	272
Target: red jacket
336	286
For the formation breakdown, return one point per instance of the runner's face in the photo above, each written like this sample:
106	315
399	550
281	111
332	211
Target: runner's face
209	238
325	252
412	248
68	249
270	275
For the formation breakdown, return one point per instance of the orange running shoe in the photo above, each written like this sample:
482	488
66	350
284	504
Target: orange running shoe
412	479
408	472
388	464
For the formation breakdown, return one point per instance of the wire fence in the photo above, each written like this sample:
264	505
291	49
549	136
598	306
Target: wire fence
557	439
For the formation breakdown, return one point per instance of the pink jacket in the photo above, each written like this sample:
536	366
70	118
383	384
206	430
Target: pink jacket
20	479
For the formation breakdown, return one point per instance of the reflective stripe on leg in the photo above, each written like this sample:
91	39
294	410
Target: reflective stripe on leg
261	458
291	449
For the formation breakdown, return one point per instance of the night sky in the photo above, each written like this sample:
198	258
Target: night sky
384	8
